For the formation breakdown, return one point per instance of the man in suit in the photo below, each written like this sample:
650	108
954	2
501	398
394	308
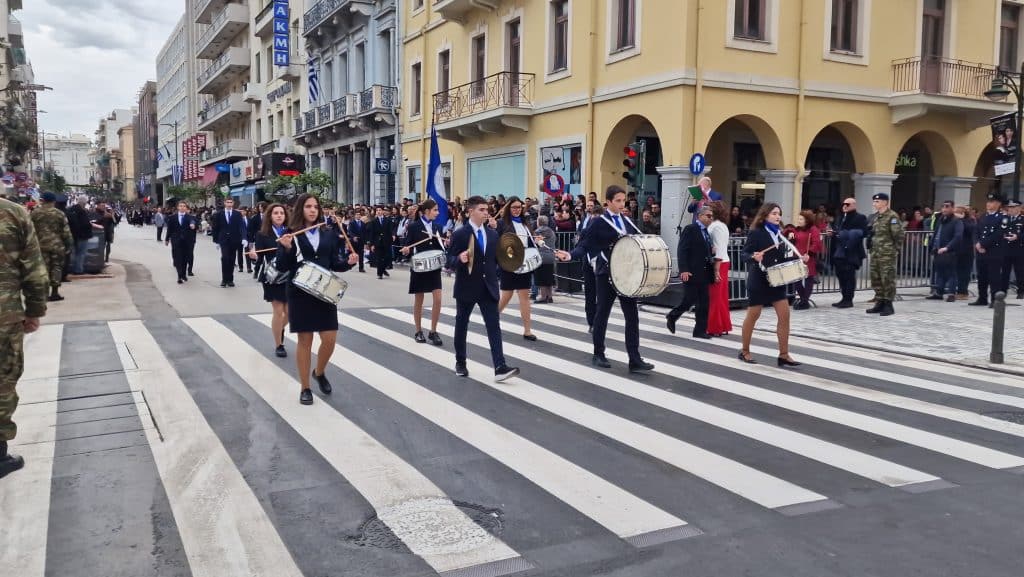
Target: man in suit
181	235
595	247
848	250
477	286
381	231
709	196
356	232
694	256
589	281
229	234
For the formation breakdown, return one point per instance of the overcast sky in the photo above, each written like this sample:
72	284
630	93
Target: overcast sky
95	54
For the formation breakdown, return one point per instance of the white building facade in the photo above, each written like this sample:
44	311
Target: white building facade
69	156
175	85
349	119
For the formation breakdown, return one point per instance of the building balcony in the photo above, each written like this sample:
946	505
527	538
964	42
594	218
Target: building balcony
14	32
282	144
290	73
485	106
298	126
228	150
378	98
331	13
457	9
227	24
205	9
923	85
253	93
227	68
263	24
331	116
224	112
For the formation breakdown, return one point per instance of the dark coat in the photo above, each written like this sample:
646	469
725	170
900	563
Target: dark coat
381	235
417	232
694	255
229	233
597	240
182	234
79	223
848	242
484	278
327	255
950	233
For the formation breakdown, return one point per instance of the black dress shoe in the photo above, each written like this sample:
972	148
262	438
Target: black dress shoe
978	303
325	385
231	285
784	362
600	361
190	273
280	352
531	338
419	337
223	285
386	273
843	305
306	397
640	366
184	279
503	373
180	281
701	336
461	370
933	297
670	322
434	339
9	463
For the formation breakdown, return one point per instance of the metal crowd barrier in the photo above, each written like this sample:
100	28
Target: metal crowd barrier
913	266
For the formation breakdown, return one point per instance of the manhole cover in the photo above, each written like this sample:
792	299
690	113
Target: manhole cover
430	527
1012	416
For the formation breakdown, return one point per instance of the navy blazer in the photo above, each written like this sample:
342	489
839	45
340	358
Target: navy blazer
694	255
229	233
597	241
471	287
181	233
417	232
357	231
327	255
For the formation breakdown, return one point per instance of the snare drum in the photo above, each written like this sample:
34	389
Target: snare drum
641	265
786	273
531	261
428	260
319	282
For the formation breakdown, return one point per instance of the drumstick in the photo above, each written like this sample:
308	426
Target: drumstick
419	242
348	243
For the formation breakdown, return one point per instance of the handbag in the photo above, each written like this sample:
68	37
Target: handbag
789	272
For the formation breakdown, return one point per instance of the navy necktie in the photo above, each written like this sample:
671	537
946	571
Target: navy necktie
618	222
480	238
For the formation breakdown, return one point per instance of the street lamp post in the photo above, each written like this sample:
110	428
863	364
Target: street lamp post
1003	84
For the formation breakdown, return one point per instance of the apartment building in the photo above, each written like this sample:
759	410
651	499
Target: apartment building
222	50
18	78
800	103
175	100
108	173
145	140
68	156
123	163
350	119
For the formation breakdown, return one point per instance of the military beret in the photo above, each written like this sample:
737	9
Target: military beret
996	197
49	197
880	196
1013	202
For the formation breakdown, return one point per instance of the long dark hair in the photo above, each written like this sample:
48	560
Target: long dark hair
298	216
763	213
507	216
267	229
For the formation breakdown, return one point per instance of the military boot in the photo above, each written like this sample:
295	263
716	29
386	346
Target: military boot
887	309
879	307
54	295
9	463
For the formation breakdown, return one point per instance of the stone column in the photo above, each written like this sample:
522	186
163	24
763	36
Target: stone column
869	184
955	188
780	188
674	200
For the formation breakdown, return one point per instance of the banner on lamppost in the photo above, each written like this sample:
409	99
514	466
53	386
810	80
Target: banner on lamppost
1005	141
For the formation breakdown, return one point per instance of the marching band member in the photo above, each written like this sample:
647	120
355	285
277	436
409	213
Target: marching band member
476	284
272	227
422	283
595	246
511	220
306	313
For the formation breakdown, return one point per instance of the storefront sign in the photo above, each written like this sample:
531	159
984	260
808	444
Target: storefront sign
280	91
1005	142
281	37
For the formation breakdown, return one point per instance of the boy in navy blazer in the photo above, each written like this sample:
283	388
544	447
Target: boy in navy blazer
477	287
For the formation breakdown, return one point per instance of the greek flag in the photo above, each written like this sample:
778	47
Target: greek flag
314	82
159	155
435	181
176	174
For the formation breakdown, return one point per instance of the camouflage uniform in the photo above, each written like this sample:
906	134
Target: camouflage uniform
886	240
54	240
22	271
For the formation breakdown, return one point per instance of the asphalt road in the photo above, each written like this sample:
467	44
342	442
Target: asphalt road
164	438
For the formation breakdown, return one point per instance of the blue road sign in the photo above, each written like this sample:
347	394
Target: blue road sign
383	166
697	164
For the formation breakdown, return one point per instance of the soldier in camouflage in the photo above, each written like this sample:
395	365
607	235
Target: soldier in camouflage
55	240
22	275
886	238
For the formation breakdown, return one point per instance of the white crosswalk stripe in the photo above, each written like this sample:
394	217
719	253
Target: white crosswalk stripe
227	527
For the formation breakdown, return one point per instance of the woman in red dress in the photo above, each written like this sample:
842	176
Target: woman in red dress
806	237
719	320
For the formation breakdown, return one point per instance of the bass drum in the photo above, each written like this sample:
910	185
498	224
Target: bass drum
641	265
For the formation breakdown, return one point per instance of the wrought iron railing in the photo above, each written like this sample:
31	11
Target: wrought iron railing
941	76
501	90
309	119
376	97
340	107
267	147
263	12
323	114
320	12
298	125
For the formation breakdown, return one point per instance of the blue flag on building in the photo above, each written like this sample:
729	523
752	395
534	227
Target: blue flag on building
435	181
314	82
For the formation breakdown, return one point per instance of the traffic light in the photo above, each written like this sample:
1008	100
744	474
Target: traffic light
634	163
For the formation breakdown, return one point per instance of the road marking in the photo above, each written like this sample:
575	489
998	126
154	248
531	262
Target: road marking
815	382
909	435
621	512
224	528
405	500
25	495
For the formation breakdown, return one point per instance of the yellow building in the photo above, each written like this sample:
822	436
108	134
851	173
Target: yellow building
800	102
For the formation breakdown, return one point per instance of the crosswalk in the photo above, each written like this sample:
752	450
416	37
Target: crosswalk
408	469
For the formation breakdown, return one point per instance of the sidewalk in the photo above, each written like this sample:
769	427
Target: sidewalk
951	332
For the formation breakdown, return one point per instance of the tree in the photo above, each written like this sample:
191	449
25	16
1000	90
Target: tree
191	193
17	135
53	182
315	182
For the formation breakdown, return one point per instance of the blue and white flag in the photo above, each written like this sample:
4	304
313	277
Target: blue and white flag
314	81
159	155
435	181
176	174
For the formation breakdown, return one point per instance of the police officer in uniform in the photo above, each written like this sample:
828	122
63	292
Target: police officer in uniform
23	274
886	238
1014	259
994	231
55	240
